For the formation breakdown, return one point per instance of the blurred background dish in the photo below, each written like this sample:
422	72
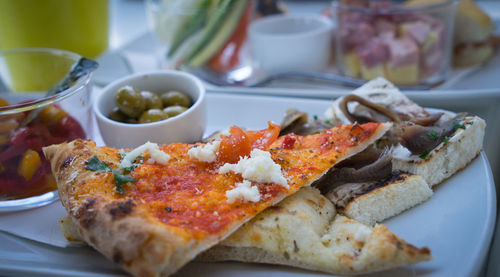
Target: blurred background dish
25	77
406	45
187	126
291	42
202	32
80	26
473	40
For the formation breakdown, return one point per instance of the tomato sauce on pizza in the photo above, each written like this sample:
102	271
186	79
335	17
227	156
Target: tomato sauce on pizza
191	195
183	198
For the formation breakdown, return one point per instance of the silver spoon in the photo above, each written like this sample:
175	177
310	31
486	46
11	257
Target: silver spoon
218	79
82	67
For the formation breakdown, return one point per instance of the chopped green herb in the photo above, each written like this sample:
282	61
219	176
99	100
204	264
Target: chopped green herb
424	155
140	157
433	135
121	179
95	164
459	118
119	188
129	169
458	126
315	117
470	123
327	121
446	139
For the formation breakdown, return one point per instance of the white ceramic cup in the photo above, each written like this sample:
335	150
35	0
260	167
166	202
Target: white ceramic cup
186	127
292	42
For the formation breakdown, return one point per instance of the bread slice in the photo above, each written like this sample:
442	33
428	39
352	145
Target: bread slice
377	201
471	54
448	157
305	231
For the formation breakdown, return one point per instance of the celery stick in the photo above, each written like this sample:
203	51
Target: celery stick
211	28
190	25
217	41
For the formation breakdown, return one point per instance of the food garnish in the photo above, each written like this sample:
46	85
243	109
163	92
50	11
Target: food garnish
94	164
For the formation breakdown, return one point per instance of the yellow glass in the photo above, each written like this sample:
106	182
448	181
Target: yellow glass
81	26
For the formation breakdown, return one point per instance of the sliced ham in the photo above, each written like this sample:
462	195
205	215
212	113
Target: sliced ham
402	51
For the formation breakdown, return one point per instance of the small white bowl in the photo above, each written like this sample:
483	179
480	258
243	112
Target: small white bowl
291	42
186	127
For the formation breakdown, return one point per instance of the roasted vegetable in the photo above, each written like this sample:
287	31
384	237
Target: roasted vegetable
30	163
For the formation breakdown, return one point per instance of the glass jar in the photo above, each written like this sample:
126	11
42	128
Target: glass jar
202	33
405	44
26	74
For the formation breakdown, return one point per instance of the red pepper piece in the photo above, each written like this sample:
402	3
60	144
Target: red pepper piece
228	57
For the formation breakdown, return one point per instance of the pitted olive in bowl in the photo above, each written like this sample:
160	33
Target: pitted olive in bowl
134	106
161	106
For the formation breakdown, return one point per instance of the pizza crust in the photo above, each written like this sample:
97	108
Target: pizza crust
304	231
124	229
121	230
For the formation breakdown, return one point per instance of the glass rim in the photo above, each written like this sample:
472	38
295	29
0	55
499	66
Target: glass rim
396	9
80	84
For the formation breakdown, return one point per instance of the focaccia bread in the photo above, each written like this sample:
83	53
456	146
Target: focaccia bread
374	202
447	158
450	142
305	231
176	202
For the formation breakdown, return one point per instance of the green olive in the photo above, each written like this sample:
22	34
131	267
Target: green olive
174	110
117	115
152	99
130	101
152	115
173	98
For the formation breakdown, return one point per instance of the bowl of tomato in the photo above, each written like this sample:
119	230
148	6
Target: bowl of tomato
31	120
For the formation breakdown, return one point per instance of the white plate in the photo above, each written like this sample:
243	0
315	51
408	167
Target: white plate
456	223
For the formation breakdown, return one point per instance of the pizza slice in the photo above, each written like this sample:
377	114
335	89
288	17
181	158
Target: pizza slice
304	231
153	209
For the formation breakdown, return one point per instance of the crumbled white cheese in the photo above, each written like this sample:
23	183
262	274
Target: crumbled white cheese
402	153
206	153
362	233
260	167
154	151
243	191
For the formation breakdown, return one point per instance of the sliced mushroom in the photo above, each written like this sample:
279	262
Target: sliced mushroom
428	120
379	169
422	139
381	109
293	121
297	122
343	194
